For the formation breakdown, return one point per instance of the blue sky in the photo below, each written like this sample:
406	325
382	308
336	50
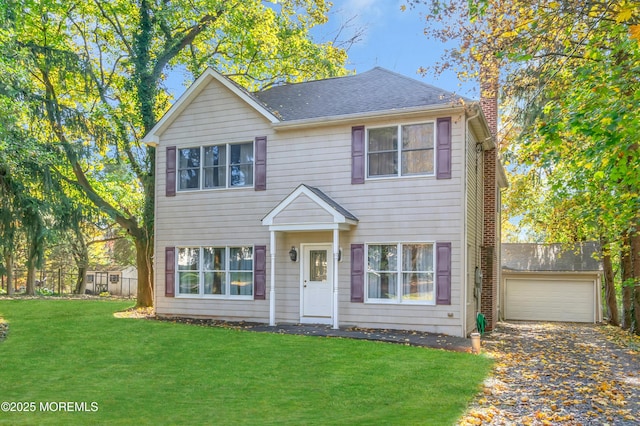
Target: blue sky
393	39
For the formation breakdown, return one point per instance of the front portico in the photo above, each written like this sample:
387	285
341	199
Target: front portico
308	209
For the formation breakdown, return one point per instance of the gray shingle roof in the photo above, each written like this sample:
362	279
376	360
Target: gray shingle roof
550	257
375	90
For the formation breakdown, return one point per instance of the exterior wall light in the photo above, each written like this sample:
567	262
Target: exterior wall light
293	254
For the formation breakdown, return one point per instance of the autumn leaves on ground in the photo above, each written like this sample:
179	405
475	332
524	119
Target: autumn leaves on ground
550	374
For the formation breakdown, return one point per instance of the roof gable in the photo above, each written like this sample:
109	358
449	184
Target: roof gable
288	216
192	93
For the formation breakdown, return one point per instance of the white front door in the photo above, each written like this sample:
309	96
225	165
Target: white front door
317	283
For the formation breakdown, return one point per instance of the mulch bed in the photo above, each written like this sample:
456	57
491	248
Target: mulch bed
559	374
409	338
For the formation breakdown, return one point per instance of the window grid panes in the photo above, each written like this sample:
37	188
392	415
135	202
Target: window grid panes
216	166
382	271
241	271
215	271
414	155
188	270
189	168
417	272
241	164
399	273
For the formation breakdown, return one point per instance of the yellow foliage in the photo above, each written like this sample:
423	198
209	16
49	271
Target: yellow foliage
634	31
624	14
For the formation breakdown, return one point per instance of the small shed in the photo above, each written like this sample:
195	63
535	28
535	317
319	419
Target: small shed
117	280
551	282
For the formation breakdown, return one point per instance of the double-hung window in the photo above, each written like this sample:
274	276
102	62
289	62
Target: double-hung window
215	271
400	273
403	150
216	166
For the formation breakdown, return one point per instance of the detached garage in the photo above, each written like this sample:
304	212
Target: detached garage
549	282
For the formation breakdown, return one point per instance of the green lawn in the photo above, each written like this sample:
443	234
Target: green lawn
151	372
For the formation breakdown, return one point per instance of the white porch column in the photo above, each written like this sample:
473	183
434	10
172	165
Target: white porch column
336	254
272	291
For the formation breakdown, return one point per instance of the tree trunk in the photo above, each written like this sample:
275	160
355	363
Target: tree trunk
144	253
31	279
144	238
81	257
609	285
626	274
636	310
81	280
626	307
8	263
635	286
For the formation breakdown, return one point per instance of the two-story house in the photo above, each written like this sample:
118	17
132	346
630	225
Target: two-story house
351	201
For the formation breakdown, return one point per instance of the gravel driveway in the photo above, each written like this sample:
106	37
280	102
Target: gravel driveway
559	374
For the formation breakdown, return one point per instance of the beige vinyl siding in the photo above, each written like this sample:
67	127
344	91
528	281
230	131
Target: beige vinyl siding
433	318
203	218
302	210
417	209
408	209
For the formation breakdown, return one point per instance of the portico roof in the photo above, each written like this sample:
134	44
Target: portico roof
308	209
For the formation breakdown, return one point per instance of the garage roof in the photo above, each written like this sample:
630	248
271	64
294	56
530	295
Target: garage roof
531	257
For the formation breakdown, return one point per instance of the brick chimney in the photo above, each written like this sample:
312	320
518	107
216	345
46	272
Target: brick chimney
491	233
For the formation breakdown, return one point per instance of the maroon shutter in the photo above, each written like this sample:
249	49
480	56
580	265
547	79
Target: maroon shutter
169	271
357	273
170	182
260	163
443	273
357	154
443	148
259	272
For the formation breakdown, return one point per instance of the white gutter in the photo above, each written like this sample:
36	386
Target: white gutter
347	118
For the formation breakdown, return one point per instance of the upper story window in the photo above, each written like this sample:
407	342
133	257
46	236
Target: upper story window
216	166
403	150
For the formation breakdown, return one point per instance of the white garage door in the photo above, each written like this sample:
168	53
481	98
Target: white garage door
549	300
